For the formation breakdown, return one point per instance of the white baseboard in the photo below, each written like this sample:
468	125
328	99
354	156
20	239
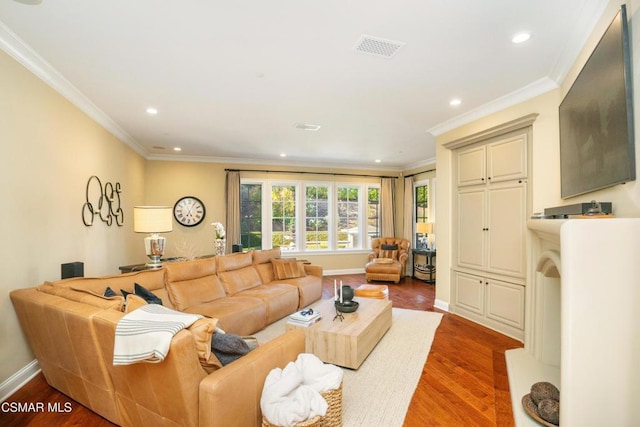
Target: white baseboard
17	380
441	305
344	271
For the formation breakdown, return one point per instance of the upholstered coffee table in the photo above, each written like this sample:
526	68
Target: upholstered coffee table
348	342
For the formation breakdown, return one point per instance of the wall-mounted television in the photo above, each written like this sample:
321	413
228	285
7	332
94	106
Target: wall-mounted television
596	118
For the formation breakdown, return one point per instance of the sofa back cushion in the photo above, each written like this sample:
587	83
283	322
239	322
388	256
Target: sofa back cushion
91	290
237	272
191	283
262	261
265	256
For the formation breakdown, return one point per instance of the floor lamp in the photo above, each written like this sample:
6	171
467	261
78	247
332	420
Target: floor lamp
153	220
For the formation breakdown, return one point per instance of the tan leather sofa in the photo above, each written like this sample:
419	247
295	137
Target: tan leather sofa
386	263
70	327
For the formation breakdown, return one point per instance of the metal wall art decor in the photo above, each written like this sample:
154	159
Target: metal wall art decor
103	202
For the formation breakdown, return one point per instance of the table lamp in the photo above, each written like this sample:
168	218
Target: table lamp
153	220
424	228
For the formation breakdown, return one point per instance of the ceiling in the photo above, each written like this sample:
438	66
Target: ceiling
231	80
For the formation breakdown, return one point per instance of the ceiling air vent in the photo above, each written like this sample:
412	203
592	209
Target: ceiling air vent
377	46
306	126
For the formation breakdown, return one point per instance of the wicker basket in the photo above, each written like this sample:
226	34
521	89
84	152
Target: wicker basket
333	417
313	422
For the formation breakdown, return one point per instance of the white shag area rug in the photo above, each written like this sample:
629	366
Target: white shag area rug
379	392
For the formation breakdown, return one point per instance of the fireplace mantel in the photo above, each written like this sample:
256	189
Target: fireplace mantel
582	321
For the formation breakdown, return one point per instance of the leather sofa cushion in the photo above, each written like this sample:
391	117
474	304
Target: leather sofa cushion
192	283
287	269
237	272
239	280
150	279
236	315
266	255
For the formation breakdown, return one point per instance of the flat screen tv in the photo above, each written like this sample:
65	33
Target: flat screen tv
596	118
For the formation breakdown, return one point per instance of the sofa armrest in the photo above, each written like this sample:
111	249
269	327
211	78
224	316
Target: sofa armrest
403	258
373	255
231	395
313	270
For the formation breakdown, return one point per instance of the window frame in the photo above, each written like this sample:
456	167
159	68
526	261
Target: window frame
431	210
301	218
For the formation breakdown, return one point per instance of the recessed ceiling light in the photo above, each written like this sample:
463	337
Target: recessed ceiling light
521	37
177	149
306	126
377	160
455	102
152	111
283	154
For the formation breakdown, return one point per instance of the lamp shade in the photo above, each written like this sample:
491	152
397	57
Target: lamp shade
152	219
424	227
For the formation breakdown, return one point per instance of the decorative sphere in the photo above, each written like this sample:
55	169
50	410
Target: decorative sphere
544	390
549	410
347	293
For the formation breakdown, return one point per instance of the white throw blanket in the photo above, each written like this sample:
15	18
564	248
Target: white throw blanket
145	334
292	395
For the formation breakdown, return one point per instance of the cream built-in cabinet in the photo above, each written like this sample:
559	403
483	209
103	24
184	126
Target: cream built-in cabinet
489	226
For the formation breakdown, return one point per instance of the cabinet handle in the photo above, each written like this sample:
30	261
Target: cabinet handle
481	179
489	178
486	283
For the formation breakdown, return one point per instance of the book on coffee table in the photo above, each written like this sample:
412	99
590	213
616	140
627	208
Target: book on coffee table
305	317
304	323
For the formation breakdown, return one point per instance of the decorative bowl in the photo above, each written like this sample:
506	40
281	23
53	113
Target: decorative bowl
347	306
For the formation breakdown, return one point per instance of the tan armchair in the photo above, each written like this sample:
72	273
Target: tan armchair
388	259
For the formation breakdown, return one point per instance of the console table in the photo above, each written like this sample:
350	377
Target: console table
428	267
140	267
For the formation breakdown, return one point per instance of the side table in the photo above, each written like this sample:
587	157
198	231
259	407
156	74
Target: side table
428	267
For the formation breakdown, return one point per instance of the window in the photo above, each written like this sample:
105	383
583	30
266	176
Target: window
283	217
373	215
333	216
424	192
422	202
317	217
348	221
251	216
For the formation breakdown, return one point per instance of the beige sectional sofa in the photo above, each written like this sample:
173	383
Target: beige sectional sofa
71	326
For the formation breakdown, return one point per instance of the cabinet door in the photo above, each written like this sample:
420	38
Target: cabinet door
469	292
471	228
507	159
506	225
505	303
471	166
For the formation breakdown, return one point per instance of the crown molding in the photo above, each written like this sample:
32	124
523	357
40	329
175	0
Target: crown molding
25	55
422	163
272	162
588	18
516	97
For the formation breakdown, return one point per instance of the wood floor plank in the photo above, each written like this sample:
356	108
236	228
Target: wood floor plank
463	383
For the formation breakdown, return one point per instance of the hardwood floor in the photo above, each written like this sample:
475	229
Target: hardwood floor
463	383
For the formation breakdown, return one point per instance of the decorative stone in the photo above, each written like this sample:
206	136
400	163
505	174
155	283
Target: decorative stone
549	410
544	390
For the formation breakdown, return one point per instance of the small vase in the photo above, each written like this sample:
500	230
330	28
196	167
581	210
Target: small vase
220	246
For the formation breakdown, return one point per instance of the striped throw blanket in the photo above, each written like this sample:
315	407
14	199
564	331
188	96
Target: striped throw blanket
145	334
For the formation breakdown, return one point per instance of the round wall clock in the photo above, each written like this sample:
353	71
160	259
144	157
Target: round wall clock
189	211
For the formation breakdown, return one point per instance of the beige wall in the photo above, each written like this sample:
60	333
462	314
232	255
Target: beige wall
167	181
545	176
49	151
